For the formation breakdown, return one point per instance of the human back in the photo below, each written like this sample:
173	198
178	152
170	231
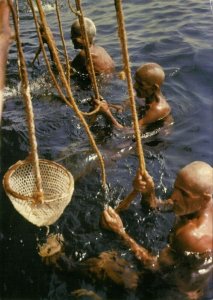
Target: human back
102	61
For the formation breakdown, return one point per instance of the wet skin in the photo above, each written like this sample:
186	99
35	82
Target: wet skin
148	80
193	232
102	62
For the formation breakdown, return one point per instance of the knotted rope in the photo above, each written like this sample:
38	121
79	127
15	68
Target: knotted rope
28	106
63	78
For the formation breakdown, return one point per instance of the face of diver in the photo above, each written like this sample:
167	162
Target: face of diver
185	200
76	39
142	87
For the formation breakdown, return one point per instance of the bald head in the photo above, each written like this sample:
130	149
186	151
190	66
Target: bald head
152	73
199	177
89	26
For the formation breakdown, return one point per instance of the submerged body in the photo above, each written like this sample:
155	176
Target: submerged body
102	61
148	80
191	241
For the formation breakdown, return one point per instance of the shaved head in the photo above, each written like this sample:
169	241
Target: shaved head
199	177
89	26
151	73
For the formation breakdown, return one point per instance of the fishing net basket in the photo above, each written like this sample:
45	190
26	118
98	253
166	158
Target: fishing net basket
20	186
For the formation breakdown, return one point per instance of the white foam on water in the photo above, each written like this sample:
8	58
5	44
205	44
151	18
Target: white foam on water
46	7
11	91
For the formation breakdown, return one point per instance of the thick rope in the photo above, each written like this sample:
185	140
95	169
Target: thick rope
87	50
63	42
79	13
123	40
124	204
90	63
46	57
52	45
49	65
28	107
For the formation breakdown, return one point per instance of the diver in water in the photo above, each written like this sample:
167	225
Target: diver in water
156	113
148	81
186	262
102	61
157	118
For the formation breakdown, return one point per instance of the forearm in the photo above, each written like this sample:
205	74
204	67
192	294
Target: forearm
140	252
109	115
155	203
150	199
124	204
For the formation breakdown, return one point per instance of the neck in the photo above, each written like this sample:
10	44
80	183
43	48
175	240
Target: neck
207	209
150	99
155	97
202	213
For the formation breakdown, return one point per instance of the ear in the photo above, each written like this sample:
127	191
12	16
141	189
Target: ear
156	89
206	198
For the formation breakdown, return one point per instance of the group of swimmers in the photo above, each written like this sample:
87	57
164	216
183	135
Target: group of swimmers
148	77
191	199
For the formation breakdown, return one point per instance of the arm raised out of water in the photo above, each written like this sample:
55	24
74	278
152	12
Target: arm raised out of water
112	221
143	184
105	109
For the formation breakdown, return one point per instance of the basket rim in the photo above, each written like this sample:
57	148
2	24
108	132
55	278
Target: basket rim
20	163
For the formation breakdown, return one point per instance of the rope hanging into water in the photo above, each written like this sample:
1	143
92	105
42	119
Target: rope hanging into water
42	48
28	106
87	50
63	41
49	66
123	41
63	78
91	70
46	57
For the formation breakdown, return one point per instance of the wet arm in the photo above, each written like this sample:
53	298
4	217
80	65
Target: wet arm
110	116
105	109
150	117
125	203
155	203
154	263
112	221
142	254
144	184
154	114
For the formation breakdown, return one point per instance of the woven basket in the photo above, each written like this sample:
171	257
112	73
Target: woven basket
20	186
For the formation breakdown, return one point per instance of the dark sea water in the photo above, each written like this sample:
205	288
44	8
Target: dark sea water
176	34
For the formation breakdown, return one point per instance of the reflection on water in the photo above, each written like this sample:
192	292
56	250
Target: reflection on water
178	36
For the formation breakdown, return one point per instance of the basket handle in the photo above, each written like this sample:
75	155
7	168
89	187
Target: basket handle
28	107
